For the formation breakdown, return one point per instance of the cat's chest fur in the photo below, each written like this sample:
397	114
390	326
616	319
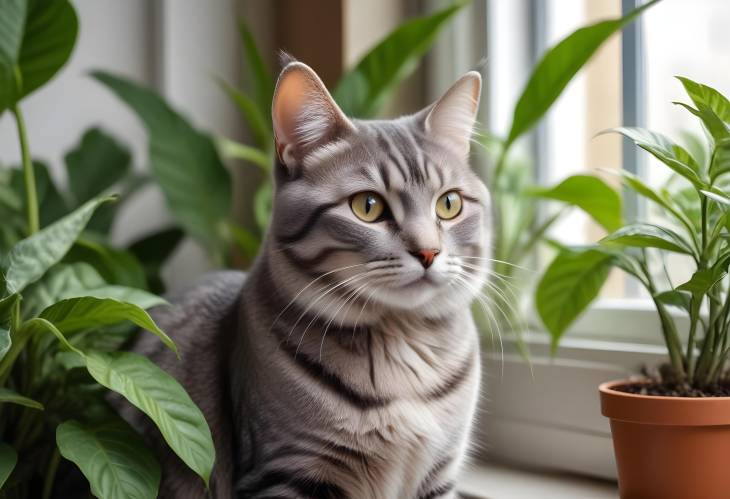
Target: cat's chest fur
376	411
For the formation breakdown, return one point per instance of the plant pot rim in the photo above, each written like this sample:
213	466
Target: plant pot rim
659	410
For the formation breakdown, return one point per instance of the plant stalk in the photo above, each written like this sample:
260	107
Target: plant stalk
31	197
51	474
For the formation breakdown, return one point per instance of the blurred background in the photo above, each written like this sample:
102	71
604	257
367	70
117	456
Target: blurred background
180	48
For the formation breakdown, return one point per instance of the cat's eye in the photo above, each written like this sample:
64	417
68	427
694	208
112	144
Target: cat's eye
367	206
448	206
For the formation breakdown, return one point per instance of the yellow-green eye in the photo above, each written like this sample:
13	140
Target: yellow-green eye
448	205
367	206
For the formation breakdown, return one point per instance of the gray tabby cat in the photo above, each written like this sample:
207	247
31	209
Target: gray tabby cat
346	363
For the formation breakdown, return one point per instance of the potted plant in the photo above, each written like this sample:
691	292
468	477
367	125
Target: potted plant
671	428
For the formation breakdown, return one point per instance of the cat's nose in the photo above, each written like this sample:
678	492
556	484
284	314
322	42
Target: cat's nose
425	256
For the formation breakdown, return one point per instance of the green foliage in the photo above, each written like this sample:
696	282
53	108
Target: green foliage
363	89
693	207
8	460
162	398
112	457
558	66
185	164
592	195
68	299
519	223
37	40
571	282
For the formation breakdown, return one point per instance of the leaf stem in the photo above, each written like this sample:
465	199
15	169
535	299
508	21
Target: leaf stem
31	198
51	474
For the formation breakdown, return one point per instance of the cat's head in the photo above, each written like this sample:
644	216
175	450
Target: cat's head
386	211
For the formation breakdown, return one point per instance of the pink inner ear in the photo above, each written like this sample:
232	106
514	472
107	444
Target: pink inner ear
291	95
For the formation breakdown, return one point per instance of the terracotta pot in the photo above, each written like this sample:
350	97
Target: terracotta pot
669	447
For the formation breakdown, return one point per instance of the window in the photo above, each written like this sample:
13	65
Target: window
548	414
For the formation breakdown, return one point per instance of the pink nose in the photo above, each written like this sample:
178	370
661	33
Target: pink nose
425	256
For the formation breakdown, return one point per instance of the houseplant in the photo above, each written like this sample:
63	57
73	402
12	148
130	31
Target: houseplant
671	429
62	324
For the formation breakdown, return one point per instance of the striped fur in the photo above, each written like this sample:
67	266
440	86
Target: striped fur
342	367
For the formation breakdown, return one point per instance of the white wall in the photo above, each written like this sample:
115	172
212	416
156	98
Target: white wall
175	46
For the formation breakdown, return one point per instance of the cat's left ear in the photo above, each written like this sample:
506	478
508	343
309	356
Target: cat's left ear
451	119
304	114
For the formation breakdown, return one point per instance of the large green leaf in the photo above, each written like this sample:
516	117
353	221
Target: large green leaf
185	163
10	397
95	165
362	90
592	195
569	285
642	235
158	395
33	256
112	457
48	30
8	460
558	66
77	314
661	147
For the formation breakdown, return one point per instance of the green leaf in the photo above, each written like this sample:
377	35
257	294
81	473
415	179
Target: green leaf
51	204
185	163
153	250
702	281
675	298
112	457
642	235
569	285
8	460
703	95
263	204
76	280
673	155
95	165
116	266
362	90
9	396
592	195
714	125
161	397
5	341
36	40
717	195
247	242
33	256
558	66
77	314
235	150
262	81
259	126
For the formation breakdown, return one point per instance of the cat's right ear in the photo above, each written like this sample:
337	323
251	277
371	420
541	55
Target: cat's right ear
304	114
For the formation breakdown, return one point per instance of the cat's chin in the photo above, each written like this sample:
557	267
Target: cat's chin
424	294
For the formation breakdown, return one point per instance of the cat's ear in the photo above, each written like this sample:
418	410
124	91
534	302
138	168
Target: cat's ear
451	119
304	114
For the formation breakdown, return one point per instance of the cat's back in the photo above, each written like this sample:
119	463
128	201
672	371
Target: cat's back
201	320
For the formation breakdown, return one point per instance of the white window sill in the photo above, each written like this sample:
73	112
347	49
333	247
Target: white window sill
497	481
